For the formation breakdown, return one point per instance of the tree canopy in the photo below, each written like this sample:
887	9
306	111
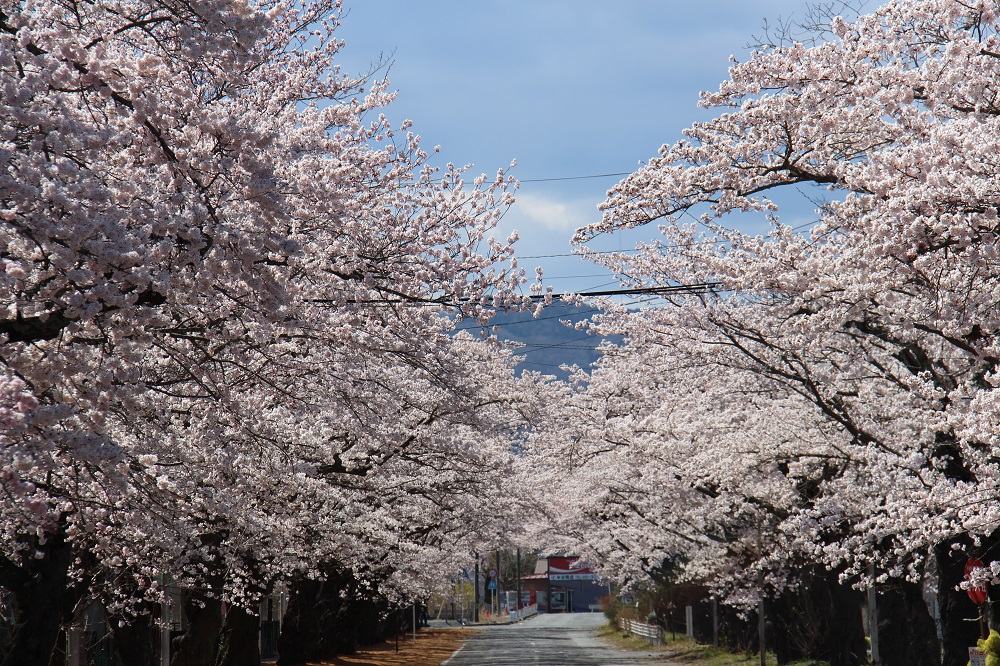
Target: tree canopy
229	288
832	399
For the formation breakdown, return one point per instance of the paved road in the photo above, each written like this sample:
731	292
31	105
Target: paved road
563	639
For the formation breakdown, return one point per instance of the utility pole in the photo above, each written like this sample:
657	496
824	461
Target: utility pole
165	633
496	592
873	616
715	622
762	635
475	586
548	584
518	604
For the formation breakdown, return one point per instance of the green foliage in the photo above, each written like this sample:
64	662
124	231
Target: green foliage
990	645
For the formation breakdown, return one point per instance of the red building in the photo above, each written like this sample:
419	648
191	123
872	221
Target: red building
563	585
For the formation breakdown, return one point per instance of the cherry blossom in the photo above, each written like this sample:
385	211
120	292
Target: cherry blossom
866	344
230	285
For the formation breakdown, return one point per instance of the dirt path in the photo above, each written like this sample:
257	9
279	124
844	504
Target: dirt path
431	647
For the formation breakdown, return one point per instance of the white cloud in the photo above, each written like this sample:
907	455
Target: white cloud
554	214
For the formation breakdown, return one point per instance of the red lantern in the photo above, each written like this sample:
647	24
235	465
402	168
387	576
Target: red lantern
978	592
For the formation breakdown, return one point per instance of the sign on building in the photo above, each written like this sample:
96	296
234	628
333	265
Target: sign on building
569	568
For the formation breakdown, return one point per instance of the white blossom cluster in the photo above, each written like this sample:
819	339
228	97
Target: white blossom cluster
228	287
832	396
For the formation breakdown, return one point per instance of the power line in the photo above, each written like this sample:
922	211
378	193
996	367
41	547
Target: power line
614	281
574	277
701	288
402	299
655	245
520	351
596	175
567	316
527	362
572	254
555	345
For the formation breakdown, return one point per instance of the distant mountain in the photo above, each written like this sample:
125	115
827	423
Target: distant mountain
548	342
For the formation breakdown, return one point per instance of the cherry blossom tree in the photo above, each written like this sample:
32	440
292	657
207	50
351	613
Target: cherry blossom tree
229	284
671	460
880	320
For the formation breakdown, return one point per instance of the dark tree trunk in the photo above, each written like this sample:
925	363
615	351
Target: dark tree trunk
240	643
134	641
844	627
302	637
35	641
959	625
993	608
785	612
989	553
44	601
329	618
703	620
819	619
735	633
907	634
197	647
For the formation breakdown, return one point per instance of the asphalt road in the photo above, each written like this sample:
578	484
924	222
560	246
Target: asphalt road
562	639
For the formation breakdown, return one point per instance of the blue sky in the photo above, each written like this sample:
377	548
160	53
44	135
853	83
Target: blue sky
566	87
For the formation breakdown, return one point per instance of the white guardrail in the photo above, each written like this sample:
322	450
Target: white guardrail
651	633
524	613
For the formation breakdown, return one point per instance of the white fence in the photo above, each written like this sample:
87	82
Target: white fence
651	633
517	615
524	613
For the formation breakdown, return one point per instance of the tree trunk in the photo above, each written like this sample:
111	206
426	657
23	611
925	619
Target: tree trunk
303	637
906	631
240	642
819	619
329	618
959	626
134	641
44	602
845	643
735	633
197	647
786	616
993	608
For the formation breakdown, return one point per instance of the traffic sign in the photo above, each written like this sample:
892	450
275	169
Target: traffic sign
492	585
492	573
978	592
